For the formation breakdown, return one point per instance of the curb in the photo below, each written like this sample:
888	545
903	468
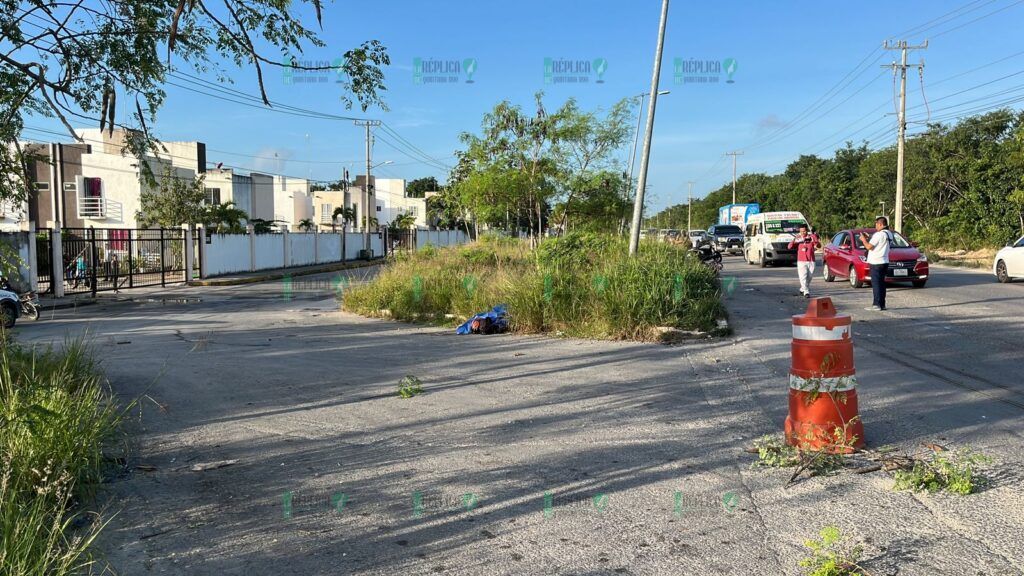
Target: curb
43	307
281	275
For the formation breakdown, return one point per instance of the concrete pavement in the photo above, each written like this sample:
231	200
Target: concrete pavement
530	455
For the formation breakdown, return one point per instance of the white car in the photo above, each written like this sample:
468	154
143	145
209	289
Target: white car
10	308
1009	262
696	237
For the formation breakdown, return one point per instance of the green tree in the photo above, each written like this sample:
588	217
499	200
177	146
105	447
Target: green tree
419	187
306	225
175	201
584	149
346	213
403	222
225	218
73	60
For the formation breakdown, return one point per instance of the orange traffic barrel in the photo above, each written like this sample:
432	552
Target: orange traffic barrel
823	382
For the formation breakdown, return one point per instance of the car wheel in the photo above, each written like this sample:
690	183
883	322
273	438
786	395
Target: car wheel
854	280
919	283
1001	274
826	272
8	315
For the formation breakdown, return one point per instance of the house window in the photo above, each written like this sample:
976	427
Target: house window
90	199
378	208
42	186
413	210
325	213
213	196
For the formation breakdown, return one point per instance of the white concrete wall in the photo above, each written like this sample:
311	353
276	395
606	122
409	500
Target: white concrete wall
227	253
232	253
301	250
328	247
440	238
269	251
353	244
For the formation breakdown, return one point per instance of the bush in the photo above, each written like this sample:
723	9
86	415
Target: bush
56	416
581	284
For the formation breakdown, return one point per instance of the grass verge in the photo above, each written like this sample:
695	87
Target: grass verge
56	417
579	285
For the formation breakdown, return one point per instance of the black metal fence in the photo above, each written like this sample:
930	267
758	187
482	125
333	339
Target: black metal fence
396	239
44	257
97	260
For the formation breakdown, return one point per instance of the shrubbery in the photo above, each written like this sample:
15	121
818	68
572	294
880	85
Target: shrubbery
56	416
580	284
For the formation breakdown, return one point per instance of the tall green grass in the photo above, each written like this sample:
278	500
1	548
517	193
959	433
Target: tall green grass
579	285
56	417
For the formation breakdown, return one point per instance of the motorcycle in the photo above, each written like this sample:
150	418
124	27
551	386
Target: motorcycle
28	302
708	255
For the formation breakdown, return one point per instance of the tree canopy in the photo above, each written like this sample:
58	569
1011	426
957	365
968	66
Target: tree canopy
73	60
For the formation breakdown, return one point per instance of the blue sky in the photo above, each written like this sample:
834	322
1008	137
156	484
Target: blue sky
788	55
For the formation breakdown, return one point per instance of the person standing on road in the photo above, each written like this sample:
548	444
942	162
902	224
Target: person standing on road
878	259
806	243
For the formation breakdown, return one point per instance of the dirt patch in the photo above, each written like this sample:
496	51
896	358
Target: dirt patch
967	258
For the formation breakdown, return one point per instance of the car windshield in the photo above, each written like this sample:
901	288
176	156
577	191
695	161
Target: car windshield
783	226
696	233
728	230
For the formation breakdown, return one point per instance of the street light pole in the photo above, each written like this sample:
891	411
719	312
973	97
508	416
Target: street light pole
638	202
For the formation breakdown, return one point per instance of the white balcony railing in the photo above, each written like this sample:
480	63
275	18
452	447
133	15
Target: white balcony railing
99	209
326	218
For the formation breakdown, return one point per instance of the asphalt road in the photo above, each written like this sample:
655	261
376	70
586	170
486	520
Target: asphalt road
531	455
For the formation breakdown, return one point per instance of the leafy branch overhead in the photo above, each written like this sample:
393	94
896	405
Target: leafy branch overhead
74	60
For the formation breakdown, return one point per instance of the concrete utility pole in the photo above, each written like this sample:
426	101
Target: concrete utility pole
638	201
366	185
734	155
901	125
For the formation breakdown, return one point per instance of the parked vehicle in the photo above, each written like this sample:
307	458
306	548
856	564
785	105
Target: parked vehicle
708	255
737	214
28	302
671	236
846	257
10	308
29	305
1009	262
767	236
726	238
696	237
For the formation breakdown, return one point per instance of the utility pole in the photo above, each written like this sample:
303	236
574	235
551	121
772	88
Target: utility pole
366	185
734	155
901	126
638	201
883	207
689	208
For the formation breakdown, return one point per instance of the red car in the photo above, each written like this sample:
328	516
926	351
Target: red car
906	262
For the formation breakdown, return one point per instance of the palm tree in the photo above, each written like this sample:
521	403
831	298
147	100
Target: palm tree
306	224
224	218
404	221
347	215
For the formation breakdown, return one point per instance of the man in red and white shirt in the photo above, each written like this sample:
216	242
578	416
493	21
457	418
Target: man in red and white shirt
805	244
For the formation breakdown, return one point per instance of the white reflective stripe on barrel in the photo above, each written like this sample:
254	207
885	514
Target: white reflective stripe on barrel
839	384
840	332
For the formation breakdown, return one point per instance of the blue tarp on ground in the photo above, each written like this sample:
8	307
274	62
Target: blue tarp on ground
498	320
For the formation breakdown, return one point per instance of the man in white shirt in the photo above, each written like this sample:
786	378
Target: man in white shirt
878	260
